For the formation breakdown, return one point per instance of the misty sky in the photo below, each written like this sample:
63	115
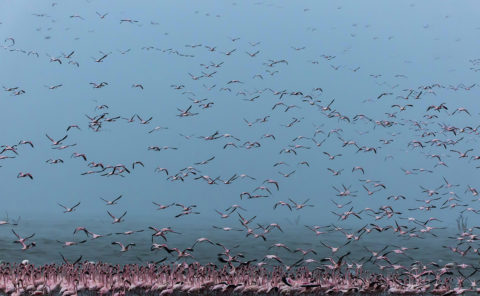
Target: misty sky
378	47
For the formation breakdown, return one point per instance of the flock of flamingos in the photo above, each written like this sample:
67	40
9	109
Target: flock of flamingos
318	141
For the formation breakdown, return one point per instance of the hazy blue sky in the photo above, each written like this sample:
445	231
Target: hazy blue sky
427	43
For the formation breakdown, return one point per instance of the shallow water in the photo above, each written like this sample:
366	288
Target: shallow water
101	249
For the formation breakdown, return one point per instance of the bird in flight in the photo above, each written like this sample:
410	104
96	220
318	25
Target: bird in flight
112	202
56	143
69	210
115	219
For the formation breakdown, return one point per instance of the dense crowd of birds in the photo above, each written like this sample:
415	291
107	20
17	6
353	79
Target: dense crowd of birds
187	279
329	141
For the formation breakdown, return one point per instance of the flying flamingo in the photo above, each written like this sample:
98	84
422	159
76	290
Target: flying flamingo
123	248
115	219
111	202
69	210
